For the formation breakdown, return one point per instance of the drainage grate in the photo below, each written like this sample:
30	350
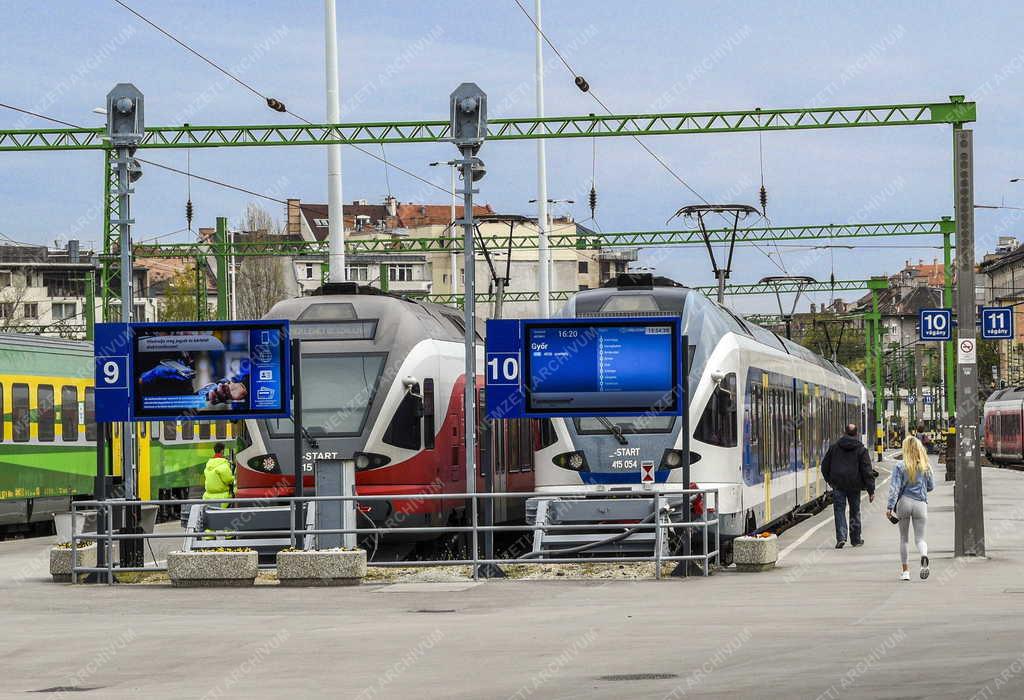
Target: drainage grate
427	610
638	677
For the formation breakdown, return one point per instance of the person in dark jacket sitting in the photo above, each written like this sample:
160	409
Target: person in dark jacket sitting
847	469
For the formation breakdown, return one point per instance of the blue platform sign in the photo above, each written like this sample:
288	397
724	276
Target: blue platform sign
997	323
112	354
585	367
212	370
935	324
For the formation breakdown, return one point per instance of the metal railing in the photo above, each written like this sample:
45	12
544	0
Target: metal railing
663	502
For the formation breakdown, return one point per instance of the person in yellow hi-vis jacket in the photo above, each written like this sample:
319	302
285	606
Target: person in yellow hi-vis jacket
217	477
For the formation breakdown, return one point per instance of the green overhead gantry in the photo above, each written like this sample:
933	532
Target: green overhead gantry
519	128
710	291
556	239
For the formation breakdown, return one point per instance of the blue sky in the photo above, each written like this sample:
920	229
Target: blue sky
401	59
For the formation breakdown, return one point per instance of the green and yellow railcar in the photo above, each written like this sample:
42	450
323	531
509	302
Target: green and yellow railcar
48	435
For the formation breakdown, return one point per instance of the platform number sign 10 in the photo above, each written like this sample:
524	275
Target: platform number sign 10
997	323
502	368
935	324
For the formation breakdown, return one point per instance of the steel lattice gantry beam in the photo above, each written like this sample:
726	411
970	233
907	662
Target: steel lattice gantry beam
559	240
710	291
956	111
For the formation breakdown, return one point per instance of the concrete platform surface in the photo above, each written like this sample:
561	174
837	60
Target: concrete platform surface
824	624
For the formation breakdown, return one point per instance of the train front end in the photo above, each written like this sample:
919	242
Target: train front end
372	380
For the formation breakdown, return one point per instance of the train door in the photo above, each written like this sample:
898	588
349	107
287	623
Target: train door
142	459
491	437
795	429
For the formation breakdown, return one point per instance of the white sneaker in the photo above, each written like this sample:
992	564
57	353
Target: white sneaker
924	568
905	576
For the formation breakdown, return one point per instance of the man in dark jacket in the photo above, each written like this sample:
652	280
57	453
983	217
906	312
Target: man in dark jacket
847	469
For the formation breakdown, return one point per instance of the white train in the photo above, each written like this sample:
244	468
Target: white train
762	412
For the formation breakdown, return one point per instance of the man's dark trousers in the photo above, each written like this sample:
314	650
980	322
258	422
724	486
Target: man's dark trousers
839	501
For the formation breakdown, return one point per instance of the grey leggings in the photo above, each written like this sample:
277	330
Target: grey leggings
908	509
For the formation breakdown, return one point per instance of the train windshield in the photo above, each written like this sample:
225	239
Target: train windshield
626	425
337	392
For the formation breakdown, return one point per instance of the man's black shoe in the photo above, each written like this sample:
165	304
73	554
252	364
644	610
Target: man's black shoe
840	545
858	543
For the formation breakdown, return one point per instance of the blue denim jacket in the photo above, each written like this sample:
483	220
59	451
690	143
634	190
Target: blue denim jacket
917	490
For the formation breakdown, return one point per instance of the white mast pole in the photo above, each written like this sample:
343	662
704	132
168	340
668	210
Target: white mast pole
543	253
336	221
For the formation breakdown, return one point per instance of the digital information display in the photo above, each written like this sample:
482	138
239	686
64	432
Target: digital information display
204	370
584	367
215	369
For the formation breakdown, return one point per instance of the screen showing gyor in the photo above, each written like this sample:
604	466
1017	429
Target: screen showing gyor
614	366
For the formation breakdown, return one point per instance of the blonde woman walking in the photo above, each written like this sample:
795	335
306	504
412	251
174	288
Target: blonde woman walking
908	501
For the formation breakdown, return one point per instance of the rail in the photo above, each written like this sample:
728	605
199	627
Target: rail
663	502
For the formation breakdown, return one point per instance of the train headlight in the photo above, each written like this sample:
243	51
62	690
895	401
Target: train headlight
369	460
575	461
672	459
268	464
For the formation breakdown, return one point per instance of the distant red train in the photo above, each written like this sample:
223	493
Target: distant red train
1003	421
383	381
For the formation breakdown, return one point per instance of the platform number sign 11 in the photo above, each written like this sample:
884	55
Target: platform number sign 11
997	323
935	324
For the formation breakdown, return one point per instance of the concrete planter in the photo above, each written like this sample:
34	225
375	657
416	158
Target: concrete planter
755	553
212	569
60	561
328	567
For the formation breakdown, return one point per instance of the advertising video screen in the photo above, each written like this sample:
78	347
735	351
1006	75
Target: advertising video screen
219	369
603	367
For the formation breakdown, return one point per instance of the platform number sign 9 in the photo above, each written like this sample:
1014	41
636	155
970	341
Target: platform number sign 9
112	372
997	323
935	324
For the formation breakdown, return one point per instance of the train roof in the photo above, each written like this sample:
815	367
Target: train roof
1013	393
632	294
32	342
348	302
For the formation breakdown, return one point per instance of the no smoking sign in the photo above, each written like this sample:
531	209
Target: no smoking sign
966	351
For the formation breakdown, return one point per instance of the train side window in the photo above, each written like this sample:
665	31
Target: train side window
221	430
204	430
718	424
546	433
20	417
45	413
170	430
515	444
69	413
405	428
526	444
188	430
428	414
90	413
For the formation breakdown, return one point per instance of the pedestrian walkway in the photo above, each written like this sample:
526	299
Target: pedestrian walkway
826	623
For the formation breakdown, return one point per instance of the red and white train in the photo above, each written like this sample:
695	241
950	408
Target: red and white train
1003	421
383	384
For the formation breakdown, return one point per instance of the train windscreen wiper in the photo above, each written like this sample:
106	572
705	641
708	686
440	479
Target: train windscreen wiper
614	429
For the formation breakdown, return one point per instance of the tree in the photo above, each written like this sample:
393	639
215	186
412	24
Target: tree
12	308
179	302
259	281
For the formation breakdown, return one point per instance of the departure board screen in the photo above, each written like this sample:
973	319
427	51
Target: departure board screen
602	366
